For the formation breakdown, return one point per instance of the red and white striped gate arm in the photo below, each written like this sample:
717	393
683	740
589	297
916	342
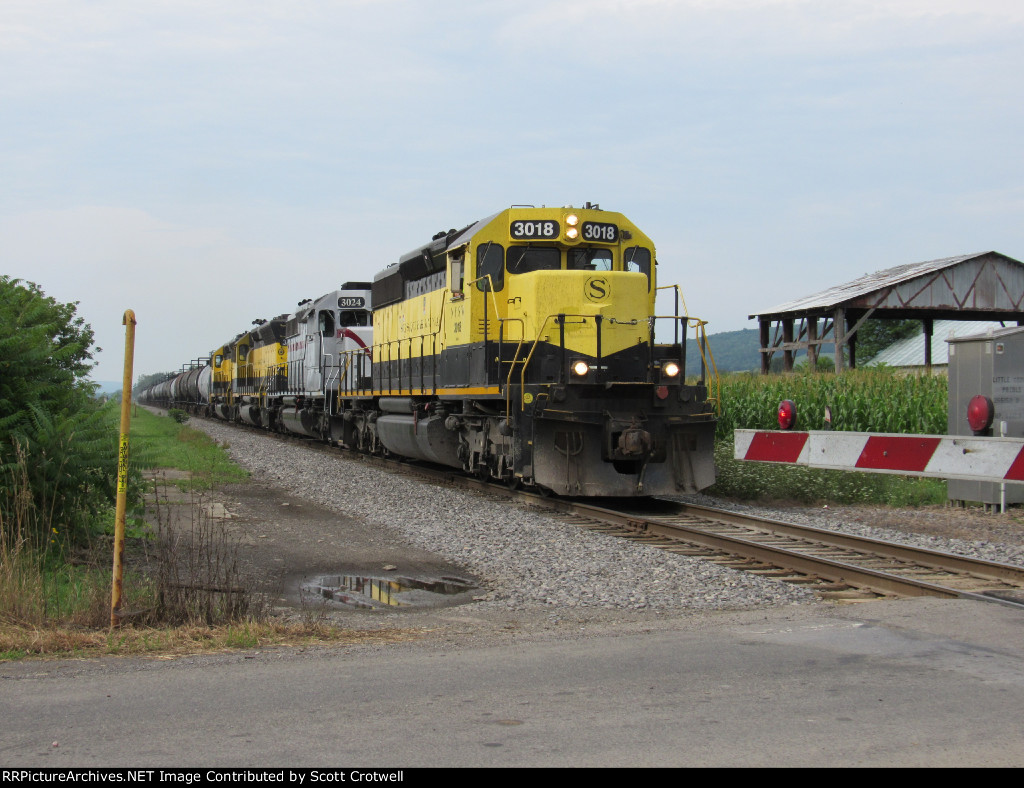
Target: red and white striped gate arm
941	456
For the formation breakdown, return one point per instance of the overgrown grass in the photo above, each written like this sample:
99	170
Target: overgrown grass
55	593
44	582
162	442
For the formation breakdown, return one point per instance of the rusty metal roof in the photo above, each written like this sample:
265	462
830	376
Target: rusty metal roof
954	293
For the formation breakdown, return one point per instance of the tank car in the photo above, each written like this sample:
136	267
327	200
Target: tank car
188	390
522	347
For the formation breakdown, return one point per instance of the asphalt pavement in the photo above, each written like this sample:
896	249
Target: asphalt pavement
907	683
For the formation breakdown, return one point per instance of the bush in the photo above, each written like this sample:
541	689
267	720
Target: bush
178	415
52	430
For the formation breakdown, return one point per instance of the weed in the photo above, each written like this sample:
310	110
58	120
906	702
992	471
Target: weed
313	611
197	576
242	635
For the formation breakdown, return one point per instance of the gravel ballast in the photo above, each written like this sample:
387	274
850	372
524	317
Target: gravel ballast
527	560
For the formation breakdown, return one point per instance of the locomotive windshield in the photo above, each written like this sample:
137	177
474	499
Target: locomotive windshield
490	261
523	259
589	260
637	258
349	317
326	323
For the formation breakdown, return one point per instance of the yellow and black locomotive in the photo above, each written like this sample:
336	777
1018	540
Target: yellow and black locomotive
521	347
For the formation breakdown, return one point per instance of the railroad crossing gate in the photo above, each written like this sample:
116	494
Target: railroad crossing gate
971	458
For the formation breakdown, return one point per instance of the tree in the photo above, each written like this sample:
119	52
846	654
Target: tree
55	438
145	381
876	335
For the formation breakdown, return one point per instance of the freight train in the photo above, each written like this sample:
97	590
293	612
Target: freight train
521	348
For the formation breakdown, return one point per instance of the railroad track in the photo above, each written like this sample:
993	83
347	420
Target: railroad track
838	566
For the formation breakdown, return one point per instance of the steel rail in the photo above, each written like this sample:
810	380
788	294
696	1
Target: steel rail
885	582
920	555
834	571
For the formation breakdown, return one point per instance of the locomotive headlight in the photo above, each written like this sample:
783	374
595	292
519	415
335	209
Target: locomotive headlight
572	220
572	233
670	370
580	368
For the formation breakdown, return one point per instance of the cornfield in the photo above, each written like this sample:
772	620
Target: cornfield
860	401
870	400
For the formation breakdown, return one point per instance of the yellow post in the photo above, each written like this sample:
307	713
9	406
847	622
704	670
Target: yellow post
122	468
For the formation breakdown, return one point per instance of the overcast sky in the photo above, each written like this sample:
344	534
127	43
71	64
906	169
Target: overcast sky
208	163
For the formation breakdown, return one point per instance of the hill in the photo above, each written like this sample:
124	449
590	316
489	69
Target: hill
107	386
734	351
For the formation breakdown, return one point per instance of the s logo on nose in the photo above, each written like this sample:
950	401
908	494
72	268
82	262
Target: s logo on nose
596	289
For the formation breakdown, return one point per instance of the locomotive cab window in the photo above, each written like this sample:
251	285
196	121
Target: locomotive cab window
351	317
218	360
458	273
637	258
589	260
524	259
490	261
327	323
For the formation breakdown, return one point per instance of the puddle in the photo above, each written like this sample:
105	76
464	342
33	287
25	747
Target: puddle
385	593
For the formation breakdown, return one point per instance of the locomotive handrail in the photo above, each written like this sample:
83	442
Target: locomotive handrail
342	375
681	299
380	349
536	341
515	356
434	354
704	349
494	303
325	381
715	382
709	369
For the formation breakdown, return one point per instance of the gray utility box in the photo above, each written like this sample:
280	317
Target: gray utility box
991	364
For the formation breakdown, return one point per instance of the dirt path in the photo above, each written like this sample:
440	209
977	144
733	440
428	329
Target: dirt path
284	542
